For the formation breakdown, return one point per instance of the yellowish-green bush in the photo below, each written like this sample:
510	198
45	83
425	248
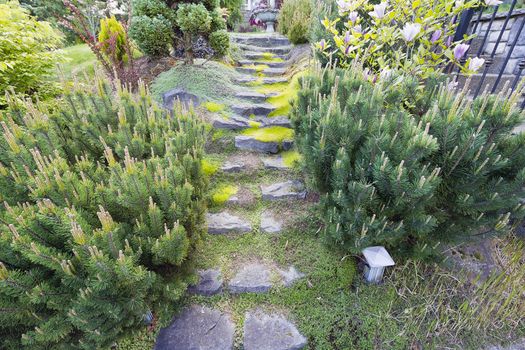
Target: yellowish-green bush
295	20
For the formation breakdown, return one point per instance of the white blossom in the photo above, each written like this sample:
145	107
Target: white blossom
379	10
476	63
493	2
410	31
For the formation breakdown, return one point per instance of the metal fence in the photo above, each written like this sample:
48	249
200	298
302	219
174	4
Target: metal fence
500	40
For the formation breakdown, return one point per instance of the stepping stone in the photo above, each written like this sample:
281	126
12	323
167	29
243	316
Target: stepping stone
252	96
245	79
254	55
268	63
251	79
277	80
275	121
278	50
271	332
197	327
246	110
260	40
249	143
275	163
292	189
233	166
210	283
269	224
232	123
243	197
269	72
222	223
252	278
290	276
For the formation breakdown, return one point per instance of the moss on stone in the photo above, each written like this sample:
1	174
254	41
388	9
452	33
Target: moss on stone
223	193
282	102
270	57
214	107
254	124
291	158
270	134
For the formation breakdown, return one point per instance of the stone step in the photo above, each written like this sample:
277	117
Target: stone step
252	96
275	163
270	72
251	79
256	277
249	143
293	189
259	62
259	109
222	223
269	223
263	40
231	123
244	198
278	50
270	332
257	55
210	283
274	121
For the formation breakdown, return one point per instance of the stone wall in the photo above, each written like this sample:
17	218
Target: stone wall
508	37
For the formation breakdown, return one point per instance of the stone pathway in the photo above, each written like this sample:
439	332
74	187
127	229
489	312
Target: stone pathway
197	327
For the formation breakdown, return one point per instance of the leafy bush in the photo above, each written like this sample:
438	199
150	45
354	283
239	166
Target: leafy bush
98	226
220	42
295	20
413	36
408	167
27	51
152	35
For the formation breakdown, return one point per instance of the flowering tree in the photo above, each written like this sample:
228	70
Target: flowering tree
414	36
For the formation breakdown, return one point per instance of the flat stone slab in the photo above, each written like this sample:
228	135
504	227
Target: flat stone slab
254	55
232	123
290	276
249	143
275	163
293	189
210	283
269	224
269	64
275	121
280	50
253	96
271	332
258	109
233	166
252	278
221	223
197	328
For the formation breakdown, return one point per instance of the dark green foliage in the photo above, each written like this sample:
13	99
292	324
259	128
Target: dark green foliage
234	9
193	18
220	42
152	35
406	166
104	202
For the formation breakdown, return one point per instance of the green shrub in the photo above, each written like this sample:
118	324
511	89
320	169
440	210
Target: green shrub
220	42
406	166
97	228
27	52
152	35
112	38
295	20
234	10
153	8
193	18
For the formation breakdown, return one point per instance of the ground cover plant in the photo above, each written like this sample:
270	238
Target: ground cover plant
103	204
406	166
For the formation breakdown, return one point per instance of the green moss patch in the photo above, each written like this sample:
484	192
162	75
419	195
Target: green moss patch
214	107
210	166
291	158
271	134
282	102
223	193
270	57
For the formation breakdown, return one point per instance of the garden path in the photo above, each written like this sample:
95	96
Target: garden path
255	187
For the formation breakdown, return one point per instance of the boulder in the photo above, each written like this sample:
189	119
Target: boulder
210	283
169	98
249	143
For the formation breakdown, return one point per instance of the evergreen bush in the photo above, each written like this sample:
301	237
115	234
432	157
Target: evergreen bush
152	35
295	20
220	42
103	203
408	166
113	39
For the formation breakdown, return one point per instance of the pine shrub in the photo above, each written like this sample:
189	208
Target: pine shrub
103	203
408	166
220	42
295	20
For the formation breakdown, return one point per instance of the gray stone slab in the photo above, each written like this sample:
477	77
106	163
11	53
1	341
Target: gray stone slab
287	145
274	163
230	123
249	143
290	276
258	109
292	189
184	97
271	332
252	278
233	166
276	121
252	96
210	283
197	328
221	223
269	224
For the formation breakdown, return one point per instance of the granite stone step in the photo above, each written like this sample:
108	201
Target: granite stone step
222	223
270	72
265	80
263	40
210	283
275	163
252	96
231	123
278	50
252	278
292	189
270	64
257	109
269	223
274	121
248	143
257	55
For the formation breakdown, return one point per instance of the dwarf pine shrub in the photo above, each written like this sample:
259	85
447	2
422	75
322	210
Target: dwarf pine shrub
408	166
103	204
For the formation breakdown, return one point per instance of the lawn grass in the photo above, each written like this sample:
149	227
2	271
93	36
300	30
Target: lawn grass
80	60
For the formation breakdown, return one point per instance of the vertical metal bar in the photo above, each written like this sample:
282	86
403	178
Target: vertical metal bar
508	55
504	27
463	29
480	50
518	76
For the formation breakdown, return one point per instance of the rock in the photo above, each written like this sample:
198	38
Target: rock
246	110
269	64
249	143
287	145
293	189
245	79
269	224
275	80
233	167
187	99
275	163
279	50
262	39
232	123
271	332
210	283
253	55
197	327
275	121
252	278
221	223
251	96
290	276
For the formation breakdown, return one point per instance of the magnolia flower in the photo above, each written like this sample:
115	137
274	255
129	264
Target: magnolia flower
344	6
460	50
322	44
493	2
476	63
410	31
358	29
435	36
352	16
379	10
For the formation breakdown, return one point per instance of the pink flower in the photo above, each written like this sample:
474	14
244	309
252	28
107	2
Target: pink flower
476	63
379	10
410	31
460	50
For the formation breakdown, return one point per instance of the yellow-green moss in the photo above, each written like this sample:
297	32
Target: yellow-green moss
272	88
214	107
271	134
258	67
291	158
270	57
254	125
223	193
210	166
282	102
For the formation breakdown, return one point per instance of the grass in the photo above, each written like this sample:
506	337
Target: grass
80	60
271	134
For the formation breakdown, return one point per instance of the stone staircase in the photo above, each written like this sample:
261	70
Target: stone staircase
265	62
